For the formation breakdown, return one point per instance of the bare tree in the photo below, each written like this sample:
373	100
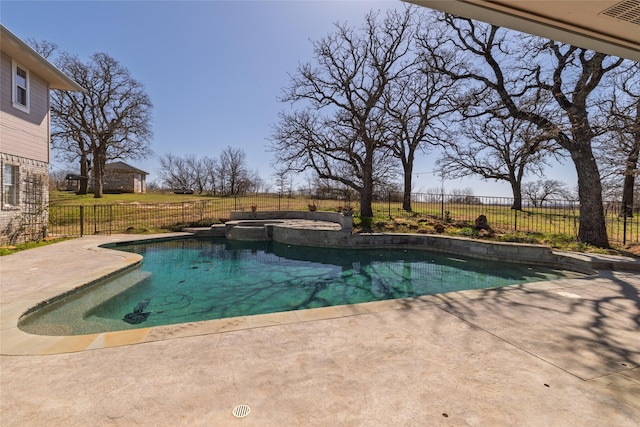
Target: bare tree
497	63
199	171
284	183
176	172
153	187
209	166
339	131
501	149
541	190
80	151
227	176
254	184
416	103
111	120
233	176
464	196
620	146
44	48
57	178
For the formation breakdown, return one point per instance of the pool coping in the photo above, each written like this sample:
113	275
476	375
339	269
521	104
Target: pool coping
14	341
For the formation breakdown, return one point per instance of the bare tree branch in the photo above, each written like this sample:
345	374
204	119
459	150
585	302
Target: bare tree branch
111	120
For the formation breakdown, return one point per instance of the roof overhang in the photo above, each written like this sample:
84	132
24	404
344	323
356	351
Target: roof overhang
611	27
14	47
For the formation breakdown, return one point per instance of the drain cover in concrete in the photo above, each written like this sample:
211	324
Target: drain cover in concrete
241	411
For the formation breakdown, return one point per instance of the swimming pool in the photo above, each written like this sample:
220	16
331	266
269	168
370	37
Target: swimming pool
194	279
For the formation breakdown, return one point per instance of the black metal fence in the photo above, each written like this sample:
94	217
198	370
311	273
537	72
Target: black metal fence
560	217
72	220
552	217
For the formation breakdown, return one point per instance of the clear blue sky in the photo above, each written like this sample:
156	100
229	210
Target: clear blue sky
213	69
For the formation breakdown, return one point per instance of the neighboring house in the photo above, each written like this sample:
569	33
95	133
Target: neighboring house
25	81
120	177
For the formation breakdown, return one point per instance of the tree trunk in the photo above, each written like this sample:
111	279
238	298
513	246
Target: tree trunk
592	229
366	200
84	175
406	198
516	188
99	160
629	180
366	196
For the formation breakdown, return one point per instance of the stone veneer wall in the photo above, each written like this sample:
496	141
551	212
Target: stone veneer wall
496	251
27	220
122	181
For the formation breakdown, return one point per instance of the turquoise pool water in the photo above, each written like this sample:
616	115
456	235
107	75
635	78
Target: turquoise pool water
187	280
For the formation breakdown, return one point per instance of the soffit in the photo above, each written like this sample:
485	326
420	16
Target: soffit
30	59
611	27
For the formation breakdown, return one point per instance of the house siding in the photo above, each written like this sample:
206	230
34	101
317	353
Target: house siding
24	144
23	134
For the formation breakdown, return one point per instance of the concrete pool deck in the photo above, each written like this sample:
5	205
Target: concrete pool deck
563	352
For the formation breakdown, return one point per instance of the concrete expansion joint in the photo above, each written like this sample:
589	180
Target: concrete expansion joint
511	343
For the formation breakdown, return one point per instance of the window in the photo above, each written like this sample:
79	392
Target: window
9	185
20	94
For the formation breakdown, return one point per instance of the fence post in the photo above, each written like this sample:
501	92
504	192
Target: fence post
95	221
389	204
81	221
624	223
183	212
515	220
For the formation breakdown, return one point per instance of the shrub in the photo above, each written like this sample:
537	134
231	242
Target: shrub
468	232
518	238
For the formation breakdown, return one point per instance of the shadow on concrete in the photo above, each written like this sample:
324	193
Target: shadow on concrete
588	329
